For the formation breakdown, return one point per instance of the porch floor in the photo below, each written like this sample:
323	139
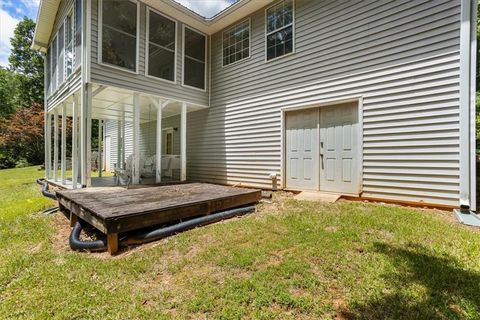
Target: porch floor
114	210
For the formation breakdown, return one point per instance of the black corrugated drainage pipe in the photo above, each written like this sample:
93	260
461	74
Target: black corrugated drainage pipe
77	244
45	191
151	235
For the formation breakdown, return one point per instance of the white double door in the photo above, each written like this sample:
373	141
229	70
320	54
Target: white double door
322	149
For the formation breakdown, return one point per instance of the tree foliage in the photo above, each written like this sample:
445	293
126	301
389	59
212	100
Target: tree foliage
21	135
27	65
8	92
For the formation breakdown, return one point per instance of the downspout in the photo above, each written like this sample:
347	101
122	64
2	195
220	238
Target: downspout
473	87
465	100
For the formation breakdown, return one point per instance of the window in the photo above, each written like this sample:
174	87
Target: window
168	141
236	43
61	54
69	44
78	33
280	29
119	34
47	71
161	35
53	65
194	58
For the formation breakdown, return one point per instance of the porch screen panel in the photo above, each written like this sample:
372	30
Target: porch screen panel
68	45
61	54
78	32
194	59
161	47
53	65
119	33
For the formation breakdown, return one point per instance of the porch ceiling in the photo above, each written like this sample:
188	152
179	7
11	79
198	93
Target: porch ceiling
109	103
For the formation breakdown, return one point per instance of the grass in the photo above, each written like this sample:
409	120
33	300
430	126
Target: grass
290	260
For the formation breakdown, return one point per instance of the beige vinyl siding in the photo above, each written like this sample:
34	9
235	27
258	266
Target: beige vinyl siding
73	82
105	75
401	57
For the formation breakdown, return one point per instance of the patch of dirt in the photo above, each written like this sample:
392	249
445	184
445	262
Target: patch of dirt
62	231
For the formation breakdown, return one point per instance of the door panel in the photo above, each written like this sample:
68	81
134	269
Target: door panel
302	149
338	148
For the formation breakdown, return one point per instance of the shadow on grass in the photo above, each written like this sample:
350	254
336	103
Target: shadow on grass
424	285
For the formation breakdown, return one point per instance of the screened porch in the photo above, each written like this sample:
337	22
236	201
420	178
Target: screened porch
115	136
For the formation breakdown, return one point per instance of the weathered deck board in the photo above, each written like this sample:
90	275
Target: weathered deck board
116	209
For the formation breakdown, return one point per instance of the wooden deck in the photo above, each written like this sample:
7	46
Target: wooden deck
114	210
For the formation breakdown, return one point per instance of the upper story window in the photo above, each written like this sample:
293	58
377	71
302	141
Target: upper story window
161	46
119	36
236	43
69	44
61	54
78	32
194	59
279	29
53	64
47	71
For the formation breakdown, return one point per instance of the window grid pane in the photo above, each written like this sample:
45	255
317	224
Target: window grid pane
236	43
161	47
280	29
119	33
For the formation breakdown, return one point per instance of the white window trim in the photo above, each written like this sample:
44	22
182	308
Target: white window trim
61	84
99	42
147	45
183	59
268	33
249	42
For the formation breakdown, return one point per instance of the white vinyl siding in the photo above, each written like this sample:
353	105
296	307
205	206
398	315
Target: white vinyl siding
401	57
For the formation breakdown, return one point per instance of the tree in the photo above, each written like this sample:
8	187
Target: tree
27	64
8	92
21	135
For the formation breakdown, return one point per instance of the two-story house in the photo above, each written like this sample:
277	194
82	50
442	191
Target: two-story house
370	99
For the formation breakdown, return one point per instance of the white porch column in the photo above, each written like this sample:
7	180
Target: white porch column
48	145
89	135
183	142
158	149
55	144
63	157
119	144
136	139
100	144
75	141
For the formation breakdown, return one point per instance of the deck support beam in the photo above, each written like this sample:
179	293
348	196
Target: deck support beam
55	144
112	243
75	141
158	149
183	142
63	157
136	139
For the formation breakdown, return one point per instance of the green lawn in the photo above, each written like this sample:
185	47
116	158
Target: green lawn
290	260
